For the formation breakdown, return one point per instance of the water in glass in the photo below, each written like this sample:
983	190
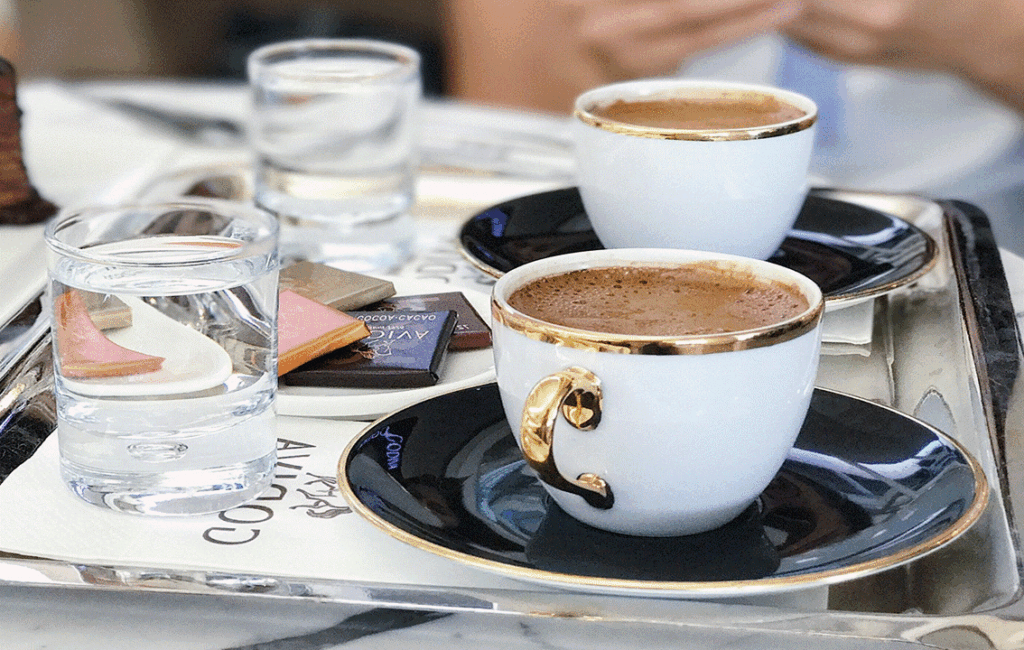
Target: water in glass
335	159
198	435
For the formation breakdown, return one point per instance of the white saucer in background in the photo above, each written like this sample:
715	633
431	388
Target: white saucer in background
192	362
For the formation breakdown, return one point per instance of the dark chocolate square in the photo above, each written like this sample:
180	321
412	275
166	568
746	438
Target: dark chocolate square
405	349
471	332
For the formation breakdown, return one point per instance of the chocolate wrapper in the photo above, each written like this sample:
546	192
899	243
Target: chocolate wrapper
405	349
471	332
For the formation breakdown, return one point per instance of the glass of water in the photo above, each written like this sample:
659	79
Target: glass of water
164	321
334	130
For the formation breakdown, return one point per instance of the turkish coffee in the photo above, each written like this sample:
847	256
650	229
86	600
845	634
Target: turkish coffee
668	301
725	110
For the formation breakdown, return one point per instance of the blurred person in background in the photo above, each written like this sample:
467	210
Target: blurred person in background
208	39
921	96
10	42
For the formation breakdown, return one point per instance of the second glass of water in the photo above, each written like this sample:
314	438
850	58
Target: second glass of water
164	322
334	130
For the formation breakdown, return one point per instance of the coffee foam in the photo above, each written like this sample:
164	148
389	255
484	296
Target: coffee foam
713	112
684	300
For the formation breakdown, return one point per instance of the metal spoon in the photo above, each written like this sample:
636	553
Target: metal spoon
194	127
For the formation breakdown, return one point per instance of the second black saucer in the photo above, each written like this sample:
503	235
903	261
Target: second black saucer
851	251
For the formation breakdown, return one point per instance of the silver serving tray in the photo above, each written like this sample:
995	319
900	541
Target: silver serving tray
945	350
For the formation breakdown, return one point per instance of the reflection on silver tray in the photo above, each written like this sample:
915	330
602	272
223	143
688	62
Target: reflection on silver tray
851	251
866	488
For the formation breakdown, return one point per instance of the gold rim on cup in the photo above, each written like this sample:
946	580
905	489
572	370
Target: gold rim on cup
648	90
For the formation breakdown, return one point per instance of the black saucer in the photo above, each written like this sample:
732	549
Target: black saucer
852	252
865	488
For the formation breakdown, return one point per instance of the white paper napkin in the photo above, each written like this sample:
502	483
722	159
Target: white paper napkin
848	330
300	528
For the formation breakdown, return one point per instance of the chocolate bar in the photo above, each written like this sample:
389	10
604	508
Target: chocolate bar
405	349
471	331
343	290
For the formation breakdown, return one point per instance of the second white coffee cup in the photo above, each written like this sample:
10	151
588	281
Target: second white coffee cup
730	186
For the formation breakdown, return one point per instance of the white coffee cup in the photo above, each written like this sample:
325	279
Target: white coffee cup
729	189
689	428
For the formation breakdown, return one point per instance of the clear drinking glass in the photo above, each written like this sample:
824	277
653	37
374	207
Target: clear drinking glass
334	130
164	321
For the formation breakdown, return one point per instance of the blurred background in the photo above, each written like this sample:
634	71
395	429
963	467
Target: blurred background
207	39
896	118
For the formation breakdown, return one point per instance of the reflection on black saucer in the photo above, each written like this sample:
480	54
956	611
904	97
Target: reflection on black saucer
804	515
864	488
740	550
851	251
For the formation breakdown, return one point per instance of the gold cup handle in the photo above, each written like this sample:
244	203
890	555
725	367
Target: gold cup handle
578	392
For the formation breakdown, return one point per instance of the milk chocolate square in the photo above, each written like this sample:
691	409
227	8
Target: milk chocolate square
471	331
343	290
405	349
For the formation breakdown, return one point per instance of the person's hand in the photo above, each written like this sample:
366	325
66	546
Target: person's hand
542	53
626	39
979	40
905	33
